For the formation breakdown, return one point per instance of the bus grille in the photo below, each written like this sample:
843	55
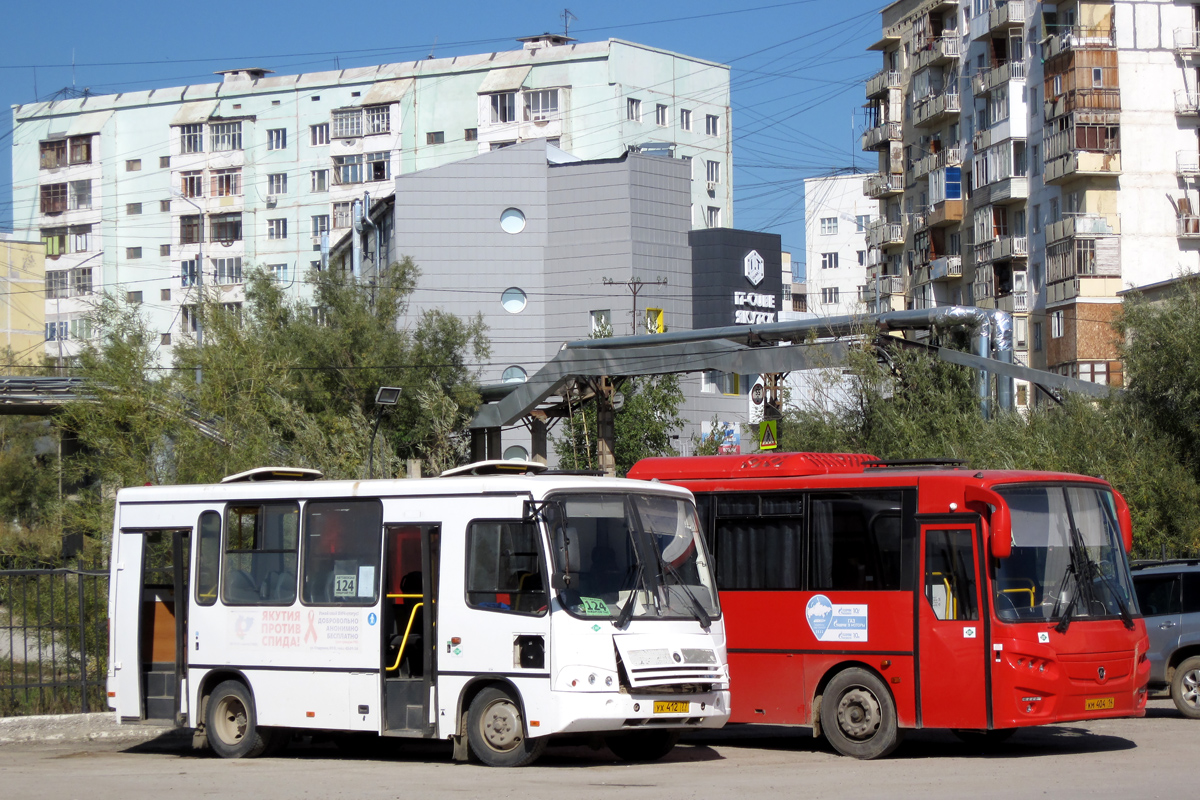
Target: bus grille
661	666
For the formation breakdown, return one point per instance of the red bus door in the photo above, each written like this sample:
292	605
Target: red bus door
952	652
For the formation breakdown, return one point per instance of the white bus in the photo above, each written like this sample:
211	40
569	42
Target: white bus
492	609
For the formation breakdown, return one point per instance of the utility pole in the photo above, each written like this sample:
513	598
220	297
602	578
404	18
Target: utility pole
634	285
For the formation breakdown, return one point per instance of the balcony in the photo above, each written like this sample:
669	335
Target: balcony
1187	104
879	136
877	186
946	268
891	284
1088	226
1187	42
1016	303
947	212
986	81
1077	37
1010	14
883	234
880	82
937	50
1187	226
1187	163
1003	248
1103	106
1082	164
950	157
936	109
1004	189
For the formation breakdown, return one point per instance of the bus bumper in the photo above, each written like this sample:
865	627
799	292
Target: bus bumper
609	711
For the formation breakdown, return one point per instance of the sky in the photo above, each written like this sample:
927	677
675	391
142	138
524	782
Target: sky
796	79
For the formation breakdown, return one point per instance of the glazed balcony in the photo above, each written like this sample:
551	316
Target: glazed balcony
881	185
1103	102
1065	39
879	83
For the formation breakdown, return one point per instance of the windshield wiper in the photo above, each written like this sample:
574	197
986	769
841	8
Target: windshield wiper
631	601
697	607
1122	606
1064	621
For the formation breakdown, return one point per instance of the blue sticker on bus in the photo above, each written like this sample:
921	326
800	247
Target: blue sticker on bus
371	618
836	622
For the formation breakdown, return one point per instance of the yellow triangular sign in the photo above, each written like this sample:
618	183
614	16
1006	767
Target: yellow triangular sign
767	435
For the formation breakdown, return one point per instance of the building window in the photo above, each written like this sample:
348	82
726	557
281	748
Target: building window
320	224
56	331
225	136
276	138
53	154
133	252
133	209
602	320
1020	332
862	258
226	182
279	272
470	134
829	295
277	228
500	145
164	250
277	183
633	109
164	205
164	162
54	198
829	260
191	139
829	225
226	227
660	115
191	184
81	239
685	119
541	104
656	321
379	166
57	283
188	273
1056	324
504	107
187	319
320	180
228	270
189	229
347	124
1037	336
435	137
81	149
347	170
712	217
712	171
341	215
81	194
164	339
712	125
860	223
379	119
1093	371
318	134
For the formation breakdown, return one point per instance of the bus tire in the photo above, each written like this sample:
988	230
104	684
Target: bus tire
1185	687
496	731
641	745
858	715
231	722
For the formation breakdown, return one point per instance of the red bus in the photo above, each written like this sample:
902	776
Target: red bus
865	598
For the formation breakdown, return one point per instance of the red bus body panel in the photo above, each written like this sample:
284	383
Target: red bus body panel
777	666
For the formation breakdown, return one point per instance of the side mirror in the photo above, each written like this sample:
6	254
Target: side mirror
1000	523
1126	520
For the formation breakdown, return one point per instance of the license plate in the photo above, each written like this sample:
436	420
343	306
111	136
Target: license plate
671	707
1099	704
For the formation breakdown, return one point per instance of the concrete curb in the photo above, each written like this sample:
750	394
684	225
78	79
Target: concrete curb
75	728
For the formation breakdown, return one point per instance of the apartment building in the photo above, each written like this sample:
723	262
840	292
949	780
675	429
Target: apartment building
1038	158
837	215
149	194
22	317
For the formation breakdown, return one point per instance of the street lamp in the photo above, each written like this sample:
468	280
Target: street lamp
199	274
386	396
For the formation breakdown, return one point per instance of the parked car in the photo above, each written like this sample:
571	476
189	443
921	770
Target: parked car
1169	596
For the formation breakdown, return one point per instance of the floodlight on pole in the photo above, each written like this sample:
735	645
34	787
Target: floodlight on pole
385	396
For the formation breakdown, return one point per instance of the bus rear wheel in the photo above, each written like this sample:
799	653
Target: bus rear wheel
232	723
642	745
1185	687
858	715
496	731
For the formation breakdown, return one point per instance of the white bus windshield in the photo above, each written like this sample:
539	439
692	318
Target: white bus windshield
625	556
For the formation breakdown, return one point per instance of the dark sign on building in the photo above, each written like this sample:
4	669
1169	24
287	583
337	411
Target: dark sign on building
737	277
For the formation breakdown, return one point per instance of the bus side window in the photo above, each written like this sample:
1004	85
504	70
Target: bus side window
856	542
260	554
208	558
342	540
950	574
504	568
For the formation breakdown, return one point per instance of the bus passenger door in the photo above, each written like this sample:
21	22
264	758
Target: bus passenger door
409	628
952	636
163	622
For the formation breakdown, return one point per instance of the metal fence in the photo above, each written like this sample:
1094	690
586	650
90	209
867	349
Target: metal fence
53	638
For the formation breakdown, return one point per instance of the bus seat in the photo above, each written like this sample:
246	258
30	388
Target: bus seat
240	587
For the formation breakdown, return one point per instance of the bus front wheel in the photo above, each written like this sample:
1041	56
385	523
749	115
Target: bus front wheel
232	723
496	731
858	715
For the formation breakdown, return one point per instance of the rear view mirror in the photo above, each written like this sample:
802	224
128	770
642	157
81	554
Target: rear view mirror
999	523
1126	520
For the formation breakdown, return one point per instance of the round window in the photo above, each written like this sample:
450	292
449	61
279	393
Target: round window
514	375
512	220
516	453
513	300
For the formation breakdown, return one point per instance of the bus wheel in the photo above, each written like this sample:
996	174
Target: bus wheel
642	745
496	732
1185	687
232	723
858	715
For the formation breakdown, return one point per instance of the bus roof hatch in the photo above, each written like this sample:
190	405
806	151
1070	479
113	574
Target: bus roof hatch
274	474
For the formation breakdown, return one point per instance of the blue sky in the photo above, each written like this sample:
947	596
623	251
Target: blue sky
797	67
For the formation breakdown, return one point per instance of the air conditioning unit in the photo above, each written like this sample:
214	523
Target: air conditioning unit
711	186
272	200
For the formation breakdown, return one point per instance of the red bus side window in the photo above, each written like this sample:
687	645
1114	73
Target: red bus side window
950	574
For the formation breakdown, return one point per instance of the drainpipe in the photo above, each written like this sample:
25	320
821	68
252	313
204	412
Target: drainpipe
367	223
1002	350
982	344
356	217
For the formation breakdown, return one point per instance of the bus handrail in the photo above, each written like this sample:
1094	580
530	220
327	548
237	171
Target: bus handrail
404	642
